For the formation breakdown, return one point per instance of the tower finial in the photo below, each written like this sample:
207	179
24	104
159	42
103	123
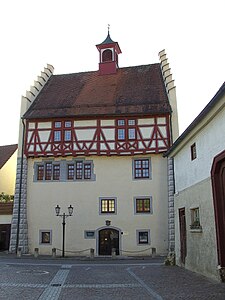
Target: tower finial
108	28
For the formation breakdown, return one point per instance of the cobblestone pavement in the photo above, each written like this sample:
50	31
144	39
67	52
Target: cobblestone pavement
108	279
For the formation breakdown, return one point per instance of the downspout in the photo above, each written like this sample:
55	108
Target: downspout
20	189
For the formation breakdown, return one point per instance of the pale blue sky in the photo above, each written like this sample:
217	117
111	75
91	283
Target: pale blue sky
64	34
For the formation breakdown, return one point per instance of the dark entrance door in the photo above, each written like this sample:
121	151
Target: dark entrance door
218	184
4	236
108	239
183	235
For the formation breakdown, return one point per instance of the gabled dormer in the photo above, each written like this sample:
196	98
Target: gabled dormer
108	56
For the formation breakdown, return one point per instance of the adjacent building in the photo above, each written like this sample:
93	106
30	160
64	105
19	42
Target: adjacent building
8	157
199	168
95	140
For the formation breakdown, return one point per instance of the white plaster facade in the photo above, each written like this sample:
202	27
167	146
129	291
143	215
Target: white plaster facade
110	181
193	187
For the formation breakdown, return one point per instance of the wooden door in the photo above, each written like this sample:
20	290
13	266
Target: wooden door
183	235
218	183
108	239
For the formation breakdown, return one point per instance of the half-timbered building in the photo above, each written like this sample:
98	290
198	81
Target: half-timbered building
95	140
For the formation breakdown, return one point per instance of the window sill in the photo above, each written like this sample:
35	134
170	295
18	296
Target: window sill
196	230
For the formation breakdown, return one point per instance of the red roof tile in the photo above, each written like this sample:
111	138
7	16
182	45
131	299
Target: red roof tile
6	152
135	90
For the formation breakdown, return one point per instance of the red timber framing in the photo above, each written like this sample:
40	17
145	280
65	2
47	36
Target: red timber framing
119	136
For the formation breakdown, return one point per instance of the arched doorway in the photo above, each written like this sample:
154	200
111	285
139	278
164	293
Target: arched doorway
108	238
218	185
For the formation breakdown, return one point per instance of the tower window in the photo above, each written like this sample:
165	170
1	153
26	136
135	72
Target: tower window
107	55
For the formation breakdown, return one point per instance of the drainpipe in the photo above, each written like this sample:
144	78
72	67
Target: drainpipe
20	189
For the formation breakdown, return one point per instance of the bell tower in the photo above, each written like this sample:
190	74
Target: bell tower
108	56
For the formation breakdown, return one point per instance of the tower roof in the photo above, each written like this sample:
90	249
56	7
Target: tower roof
108	40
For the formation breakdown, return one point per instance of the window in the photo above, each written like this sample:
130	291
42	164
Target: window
70	172
126	129
67	135
62	130
107	55
48	171
143	237
87	171
68	124
195	219
141	168
58	124
56	172
131	133
143	205
89	234
83	170
57	136
107	205
121	134
193	152
121	122
45	237
40	172
79	169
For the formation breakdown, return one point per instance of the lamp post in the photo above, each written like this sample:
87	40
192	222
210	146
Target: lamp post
64	216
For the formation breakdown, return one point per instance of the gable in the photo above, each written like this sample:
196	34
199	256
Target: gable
6	152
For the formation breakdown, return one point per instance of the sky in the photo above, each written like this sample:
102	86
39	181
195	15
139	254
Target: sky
64	34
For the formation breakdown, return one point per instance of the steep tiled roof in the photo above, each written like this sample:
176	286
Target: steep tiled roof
6	152
135	90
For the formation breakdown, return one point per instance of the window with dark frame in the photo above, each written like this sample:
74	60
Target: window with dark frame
193	152
108	206
126	129
58	124
70	171
51	171
48	171
62	130
87	171
45	237
143	205
89	234
40	172
68	124
67	135
143	237
57	136
195	219
56	172
141	168
79	170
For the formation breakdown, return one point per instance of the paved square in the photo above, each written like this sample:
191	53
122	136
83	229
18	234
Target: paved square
109	279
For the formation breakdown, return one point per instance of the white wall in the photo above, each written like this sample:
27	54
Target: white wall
210	141
113	179
201	245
